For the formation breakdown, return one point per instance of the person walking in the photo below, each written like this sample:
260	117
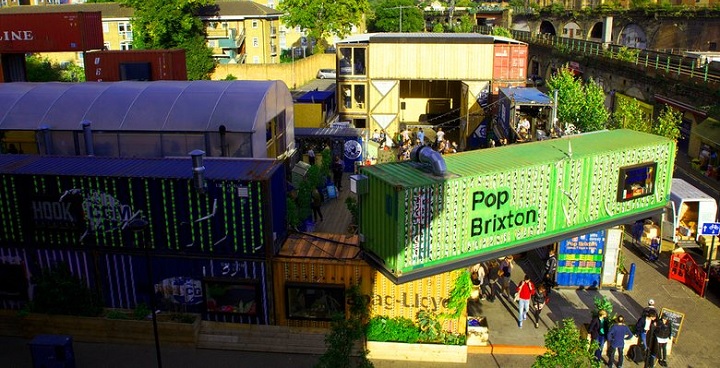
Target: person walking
538	303
492	274
337	169
663	331
311	156
506	267
477	277
550	269
598	332
617	335
525	291
315	204
652	344
647	318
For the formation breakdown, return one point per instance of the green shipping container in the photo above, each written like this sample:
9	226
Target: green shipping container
509	199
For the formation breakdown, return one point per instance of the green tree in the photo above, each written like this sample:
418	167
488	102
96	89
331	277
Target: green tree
168	24
565	348
579	104
386	16
629	115
322	18
502	31
39	69
668	123
438	28
466	24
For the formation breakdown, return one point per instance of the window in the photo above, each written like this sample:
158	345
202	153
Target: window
352	61
106	27
314	302
124	27
256	59
126	45
254	23
106	45
232	297
256	42
636	181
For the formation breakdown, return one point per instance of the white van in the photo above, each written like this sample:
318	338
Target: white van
688	209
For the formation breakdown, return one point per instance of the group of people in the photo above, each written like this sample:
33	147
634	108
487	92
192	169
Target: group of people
498	273
653	332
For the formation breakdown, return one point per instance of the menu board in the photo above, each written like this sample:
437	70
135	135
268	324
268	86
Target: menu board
676	318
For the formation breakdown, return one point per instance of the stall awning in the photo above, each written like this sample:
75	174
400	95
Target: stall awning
679	105
708	131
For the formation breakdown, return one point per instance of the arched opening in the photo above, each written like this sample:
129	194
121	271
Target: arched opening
596	32
633	36
547	28
572	30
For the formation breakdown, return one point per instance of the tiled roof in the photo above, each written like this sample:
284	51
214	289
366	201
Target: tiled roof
114	10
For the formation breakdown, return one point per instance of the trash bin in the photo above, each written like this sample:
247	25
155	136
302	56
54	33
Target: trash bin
52	351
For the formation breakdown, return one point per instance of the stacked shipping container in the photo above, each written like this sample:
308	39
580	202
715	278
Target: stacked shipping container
509	199
217	239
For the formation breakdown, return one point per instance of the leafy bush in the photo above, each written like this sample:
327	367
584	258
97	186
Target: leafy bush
182	318
565	348
400	329
397	329
141	311
116	314
58	291
344	333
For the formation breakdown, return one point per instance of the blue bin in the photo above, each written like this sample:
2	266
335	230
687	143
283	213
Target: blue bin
52	351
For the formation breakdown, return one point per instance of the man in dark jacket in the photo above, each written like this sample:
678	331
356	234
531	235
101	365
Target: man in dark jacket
619	332
652	345
663	331
598	332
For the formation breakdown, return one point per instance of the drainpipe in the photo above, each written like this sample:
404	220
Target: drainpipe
87	133
46	139
427	155
554	110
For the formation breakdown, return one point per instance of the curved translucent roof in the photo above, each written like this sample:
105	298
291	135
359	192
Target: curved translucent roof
189	106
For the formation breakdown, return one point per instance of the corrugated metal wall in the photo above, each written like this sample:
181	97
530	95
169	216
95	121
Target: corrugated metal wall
418	61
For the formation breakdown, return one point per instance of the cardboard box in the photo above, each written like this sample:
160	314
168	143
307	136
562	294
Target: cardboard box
477	331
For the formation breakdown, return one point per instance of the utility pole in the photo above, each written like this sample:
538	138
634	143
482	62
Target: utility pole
401	11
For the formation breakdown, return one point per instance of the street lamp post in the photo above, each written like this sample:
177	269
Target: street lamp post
139	226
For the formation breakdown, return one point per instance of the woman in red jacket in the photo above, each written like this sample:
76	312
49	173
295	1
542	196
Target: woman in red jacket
525	291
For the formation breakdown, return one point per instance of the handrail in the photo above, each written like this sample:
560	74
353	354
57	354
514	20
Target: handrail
670	63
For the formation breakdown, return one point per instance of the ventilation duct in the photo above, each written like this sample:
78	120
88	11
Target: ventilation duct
46	139
427	155
198	170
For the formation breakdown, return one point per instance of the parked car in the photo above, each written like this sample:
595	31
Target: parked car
326	74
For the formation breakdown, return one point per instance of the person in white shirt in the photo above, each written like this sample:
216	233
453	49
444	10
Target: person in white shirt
439	136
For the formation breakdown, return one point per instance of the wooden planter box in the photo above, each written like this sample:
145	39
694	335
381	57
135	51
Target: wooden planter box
416	352
101	329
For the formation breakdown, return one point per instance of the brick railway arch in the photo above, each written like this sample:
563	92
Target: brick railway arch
546	27
632	35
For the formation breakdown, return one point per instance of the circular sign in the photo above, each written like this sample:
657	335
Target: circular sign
353	150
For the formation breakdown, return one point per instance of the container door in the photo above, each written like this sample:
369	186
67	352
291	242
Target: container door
707	212
668	222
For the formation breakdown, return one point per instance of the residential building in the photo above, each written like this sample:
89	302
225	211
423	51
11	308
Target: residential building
237	31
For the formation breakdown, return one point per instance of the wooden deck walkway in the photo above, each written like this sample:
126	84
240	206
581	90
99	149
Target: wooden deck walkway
336	216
